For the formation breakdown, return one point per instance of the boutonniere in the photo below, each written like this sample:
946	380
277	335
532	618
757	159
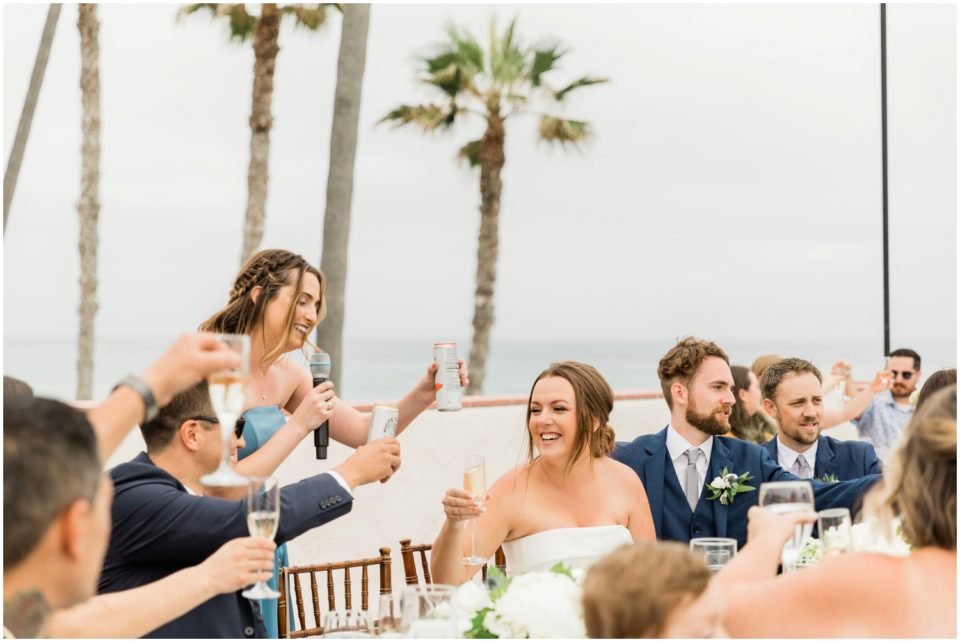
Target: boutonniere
727	485
828	478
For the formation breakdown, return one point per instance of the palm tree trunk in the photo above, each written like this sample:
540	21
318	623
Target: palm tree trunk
491	163
265	49
343	150
26	115
89	205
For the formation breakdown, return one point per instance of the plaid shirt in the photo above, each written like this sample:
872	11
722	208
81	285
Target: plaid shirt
882	423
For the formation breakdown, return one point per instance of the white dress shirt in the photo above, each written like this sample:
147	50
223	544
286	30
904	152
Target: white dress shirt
677	446
336	477
787	457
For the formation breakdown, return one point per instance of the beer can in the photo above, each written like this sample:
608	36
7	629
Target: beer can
447	381
383	423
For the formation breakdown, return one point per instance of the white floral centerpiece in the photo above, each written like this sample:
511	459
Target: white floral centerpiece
532	605
867	536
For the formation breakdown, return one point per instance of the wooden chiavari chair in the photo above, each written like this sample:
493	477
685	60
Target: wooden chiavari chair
408	552
295	572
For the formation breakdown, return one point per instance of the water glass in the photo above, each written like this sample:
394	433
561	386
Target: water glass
835	528
716	551
789	497
388	617
428	612
346	624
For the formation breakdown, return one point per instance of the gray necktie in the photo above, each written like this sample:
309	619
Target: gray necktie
692	485
803	468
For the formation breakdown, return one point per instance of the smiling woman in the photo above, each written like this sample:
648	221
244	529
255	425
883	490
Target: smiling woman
569	503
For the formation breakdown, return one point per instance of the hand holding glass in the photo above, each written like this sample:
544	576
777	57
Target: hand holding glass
226	394
789	497
263	517
475	483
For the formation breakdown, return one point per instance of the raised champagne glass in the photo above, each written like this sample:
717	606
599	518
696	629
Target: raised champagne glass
475	483
226	393
789	497
263	517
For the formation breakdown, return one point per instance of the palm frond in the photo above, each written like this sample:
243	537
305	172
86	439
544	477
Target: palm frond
554	129
470	153
241	24
545	59
308	16
428	117
576	84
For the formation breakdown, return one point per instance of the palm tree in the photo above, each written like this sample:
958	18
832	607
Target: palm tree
89	205
497	84
343	150
265	32
26	115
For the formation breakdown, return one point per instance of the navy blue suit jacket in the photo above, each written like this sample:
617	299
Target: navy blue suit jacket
647	455
844	459
159	528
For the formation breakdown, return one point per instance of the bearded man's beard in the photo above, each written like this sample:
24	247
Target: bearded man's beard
709	423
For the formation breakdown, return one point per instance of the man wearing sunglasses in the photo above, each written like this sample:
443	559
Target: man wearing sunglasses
162	522
886	416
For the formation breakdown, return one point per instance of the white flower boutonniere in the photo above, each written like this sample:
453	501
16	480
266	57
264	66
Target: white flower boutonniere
727	485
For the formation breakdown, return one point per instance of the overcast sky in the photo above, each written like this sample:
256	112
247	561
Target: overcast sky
733	186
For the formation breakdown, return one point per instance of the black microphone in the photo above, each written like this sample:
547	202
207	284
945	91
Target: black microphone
320	369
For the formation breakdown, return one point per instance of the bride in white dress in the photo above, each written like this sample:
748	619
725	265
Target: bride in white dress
569	503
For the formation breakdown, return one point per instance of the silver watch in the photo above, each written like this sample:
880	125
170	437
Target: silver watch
150	407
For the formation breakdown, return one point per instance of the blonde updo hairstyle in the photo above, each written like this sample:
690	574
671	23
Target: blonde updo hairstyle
271	270
594	401
920	485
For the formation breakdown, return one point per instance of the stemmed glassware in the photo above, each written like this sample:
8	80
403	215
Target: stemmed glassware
226	393
835	527
263	517
475	483
789	497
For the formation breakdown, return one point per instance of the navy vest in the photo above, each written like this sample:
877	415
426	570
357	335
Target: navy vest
679	522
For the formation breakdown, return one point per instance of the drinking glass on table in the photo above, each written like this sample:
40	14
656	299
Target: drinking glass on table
716	551
835	526
226	393
388	617
346	624
263	517
475	483
789	497
429	612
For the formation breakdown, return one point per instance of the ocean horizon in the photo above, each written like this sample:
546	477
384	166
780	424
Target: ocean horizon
382	369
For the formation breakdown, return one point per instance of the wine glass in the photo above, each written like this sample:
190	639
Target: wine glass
789	497
716	551
835	527
263	517
475	483
226	393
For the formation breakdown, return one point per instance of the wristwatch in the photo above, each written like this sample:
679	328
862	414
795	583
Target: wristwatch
150	408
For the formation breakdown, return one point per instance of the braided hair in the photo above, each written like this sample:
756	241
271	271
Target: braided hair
271	270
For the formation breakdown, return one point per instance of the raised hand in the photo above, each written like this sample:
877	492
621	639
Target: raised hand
317	406
191	358
767	524
378	460
460	506
239	563
427	384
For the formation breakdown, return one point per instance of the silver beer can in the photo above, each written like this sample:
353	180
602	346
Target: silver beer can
383	423
447	381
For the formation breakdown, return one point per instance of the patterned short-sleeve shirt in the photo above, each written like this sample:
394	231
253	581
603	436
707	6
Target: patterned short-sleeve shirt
882	423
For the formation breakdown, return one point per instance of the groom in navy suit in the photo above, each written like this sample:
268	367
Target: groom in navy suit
677	463
792	395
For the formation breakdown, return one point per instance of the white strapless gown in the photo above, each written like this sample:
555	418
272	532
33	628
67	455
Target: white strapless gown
575	547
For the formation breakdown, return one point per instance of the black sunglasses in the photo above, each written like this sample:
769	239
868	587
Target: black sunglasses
237	429
906	374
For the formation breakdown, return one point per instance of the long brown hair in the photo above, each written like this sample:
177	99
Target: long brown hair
271	270
594	400
920	486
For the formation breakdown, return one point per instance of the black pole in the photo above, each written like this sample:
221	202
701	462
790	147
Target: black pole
883	138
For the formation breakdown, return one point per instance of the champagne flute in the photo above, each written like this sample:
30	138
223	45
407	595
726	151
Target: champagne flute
835	527
789	497
226	393
263	517
475	483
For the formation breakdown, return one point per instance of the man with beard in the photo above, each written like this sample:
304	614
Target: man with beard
676	463
883	421
791	391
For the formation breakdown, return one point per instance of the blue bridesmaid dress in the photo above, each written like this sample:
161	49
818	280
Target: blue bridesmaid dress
262	423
